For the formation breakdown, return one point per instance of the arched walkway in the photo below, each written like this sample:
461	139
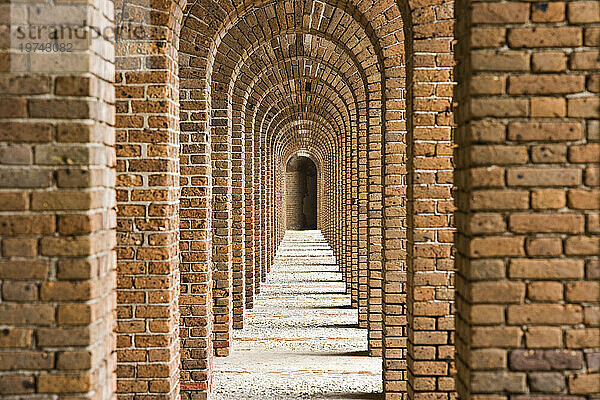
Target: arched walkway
143	191
302	338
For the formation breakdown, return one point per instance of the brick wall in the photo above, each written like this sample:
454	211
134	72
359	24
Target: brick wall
148	201
527	301
57	216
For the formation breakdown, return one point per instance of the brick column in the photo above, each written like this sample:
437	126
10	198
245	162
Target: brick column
528	200
362	222
258	204
238	212
148	195
375	230
264	210
347	173
355	269
57	217
195	229
429	330
250	217
221	223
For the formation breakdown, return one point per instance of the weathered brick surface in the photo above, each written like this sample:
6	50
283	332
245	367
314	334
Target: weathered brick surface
541	238
148	209
212	104
57	219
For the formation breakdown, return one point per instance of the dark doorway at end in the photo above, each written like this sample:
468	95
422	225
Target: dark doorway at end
301	193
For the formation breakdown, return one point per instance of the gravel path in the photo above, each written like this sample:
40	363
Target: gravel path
301	340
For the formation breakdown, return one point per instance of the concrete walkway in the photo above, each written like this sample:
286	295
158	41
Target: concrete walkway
301	340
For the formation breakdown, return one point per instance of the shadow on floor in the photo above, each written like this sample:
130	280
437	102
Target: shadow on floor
358	353
341	326
305	281
318	293
352	396
331	271
344	307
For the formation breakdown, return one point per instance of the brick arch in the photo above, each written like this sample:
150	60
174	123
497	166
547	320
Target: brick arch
260	121
254	79
381	25
308	140
508	115
247	121
330	169
267	144
225	240
265	135
311	122
371	123
252	85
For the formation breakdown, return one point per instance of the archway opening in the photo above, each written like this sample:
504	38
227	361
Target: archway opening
301	194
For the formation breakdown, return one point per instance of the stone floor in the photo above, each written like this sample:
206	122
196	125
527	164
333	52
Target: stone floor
301	340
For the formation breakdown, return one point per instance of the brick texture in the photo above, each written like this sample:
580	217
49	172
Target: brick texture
523	285
57	217
148	201
437	145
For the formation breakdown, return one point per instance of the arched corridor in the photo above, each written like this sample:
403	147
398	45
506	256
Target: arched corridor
447	151
301	194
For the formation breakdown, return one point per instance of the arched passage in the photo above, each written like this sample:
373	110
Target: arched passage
150	183
300	194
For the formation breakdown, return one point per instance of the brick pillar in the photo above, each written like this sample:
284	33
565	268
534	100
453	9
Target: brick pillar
250	210
528	200
375	231
347	170
430	277
258	205
264	209
57	217
393	286
272	214
362	213
345	198
147	196
238	212
355	269
221	222
195	227
271	195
